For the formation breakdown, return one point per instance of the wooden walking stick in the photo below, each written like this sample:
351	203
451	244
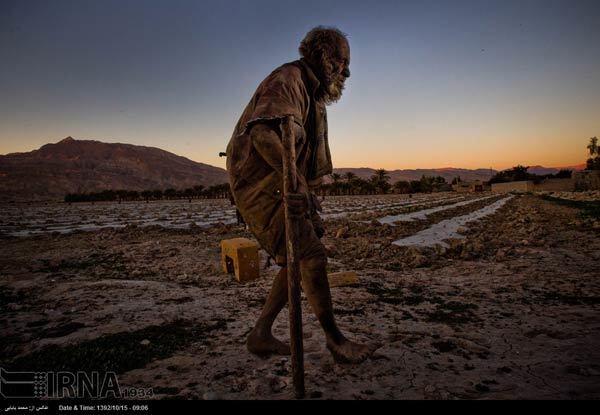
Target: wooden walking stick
293	264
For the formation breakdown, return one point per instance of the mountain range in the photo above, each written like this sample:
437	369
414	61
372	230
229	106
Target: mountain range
75	166
447	173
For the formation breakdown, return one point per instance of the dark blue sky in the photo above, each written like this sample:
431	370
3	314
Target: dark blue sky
434	83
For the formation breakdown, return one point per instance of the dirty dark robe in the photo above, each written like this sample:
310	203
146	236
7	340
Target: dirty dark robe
254	159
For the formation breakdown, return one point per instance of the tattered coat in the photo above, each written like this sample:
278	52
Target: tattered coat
255	178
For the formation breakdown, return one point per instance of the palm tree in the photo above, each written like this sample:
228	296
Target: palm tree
593	163
198	190
121	195
189	194
336	182
147	194
402	186
133	195
157	194
382	175
369	187
350	182
381	180
593	146
349	176
427	183
170	193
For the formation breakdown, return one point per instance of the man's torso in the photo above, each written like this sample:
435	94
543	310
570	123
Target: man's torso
256	186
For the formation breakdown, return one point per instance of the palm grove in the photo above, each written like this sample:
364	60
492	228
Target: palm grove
347	184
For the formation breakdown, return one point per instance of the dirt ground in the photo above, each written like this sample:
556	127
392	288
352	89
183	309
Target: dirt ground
510	311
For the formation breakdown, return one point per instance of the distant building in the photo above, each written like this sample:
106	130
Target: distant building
522	186
556	185
469	187
442	187
550	185
587	180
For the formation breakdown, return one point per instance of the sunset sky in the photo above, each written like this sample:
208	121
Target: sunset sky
434	83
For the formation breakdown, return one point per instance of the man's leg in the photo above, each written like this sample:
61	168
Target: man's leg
261	340
313	269
316	288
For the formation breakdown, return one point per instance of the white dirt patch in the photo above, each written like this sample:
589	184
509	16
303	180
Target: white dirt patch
26	220
335	213
422	214
448	229
23	220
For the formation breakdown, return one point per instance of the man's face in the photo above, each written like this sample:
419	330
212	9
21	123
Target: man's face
340	72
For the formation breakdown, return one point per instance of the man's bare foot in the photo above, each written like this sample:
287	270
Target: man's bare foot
349	352
261	344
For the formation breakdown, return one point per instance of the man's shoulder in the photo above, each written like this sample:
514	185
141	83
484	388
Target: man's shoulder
290	72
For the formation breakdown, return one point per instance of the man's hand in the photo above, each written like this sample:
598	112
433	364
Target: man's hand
317	224
297	204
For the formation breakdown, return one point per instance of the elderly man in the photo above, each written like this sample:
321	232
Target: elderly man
300	89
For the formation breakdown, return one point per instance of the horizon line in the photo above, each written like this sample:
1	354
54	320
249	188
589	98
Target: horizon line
583	163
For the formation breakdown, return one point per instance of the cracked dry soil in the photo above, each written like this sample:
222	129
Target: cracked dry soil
511	311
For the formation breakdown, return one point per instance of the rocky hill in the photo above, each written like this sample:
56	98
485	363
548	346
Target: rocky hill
72	165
